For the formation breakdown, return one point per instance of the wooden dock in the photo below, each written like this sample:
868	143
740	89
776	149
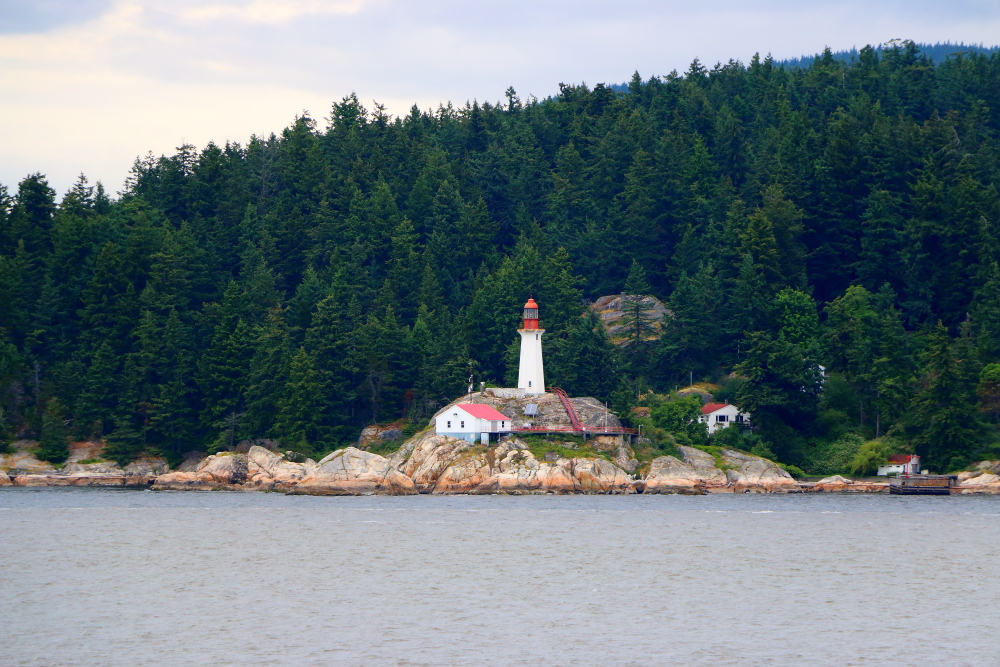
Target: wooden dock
921	485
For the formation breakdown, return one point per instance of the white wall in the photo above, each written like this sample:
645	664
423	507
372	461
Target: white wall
531	373
730	412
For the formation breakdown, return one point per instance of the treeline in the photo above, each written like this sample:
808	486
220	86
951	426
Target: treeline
938	52
301	286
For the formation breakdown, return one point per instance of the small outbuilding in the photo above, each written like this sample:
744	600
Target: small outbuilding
900	464
721	415
472	422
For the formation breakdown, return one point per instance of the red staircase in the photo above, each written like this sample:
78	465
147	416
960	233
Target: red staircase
574	418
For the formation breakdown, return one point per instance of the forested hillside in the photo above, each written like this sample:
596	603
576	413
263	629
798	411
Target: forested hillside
354	270
938	52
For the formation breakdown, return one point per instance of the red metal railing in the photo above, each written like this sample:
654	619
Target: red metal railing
574	419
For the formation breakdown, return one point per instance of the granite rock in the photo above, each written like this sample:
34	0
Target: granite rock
510	468
352	471
267	470
980	482
698	473
838	484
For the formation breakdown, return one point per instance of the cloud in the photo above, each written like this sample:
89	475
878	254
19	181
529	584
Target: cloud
92	92
270	11
26	16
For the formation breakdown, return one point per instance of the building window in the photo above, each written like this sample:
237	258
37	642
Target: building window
739	418
536	336
462	424
529	384
721	418
449	424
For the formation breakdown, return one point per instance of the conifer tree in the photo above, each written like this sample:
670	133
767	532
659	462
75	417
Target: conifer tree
53	445
943	416
302	406
636	290
267	374
95	404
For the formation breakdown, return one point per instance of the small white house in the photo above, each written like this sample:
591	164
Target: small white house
901	464
472	422
721	415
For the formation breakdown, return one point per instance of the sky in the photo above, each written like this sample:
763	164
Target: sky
89	85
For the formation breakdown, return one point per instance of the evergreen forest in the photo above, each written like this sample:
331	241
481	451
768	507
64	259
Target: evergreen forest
825	237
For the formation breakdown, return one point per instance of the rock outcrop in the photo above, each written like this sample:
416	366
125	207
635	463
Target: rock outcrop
353	472
344	472
24	462
219	471
698	473
613	310
753	473
268	471
982	481
445	465
84	467
668	474
375	433
838	484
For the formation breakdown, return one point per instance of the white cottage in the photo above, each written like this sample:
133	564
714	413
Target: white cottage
472	422
721	415
900	464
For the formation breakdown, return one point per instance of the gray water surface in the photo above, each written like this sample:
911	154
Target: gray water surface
108	577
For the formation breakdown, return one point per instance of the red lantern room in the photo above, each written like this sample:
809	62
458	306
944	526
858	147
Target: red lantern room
531	315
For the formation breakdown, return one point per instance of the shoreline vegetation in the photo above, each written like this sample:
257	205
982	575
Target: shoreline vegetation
819	246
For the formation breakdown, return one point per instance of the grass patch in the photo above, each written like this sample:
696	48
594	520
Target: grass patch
387	447
716	452
88	461
540	445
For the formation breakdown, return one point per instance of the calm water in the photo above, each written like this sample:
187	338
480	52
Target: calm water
92	577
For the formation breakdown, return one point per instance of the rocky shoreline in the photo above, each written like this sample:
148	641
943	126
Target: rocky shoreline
439	464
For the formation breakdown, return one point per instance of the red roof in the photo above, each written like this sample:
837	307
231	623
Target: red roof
483	411
709	408
900	458
531	304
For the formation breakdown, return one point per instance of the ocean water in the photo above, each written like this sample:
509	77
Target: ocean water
110	577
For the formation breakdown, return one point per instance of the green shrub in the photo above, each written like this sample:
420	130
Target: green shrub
872	454
678	415
834	457
794	471
762	450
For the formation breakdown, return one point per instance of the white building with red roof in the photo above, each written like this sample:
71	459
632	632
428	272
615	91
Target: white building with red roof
900	464
721	415
471	421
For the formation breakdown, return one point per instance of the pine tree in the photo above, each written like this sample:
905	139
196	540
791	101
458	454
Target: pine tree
53	446
636	291
267	374
171	411
95	404
303	406
943	414
690	339
592	367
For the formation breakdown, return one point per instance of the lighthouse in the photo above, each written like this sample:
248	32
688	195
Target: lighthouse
531	374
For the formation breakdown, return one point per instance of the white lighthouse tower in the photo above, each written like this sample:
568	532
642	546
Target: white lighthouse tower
531	373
